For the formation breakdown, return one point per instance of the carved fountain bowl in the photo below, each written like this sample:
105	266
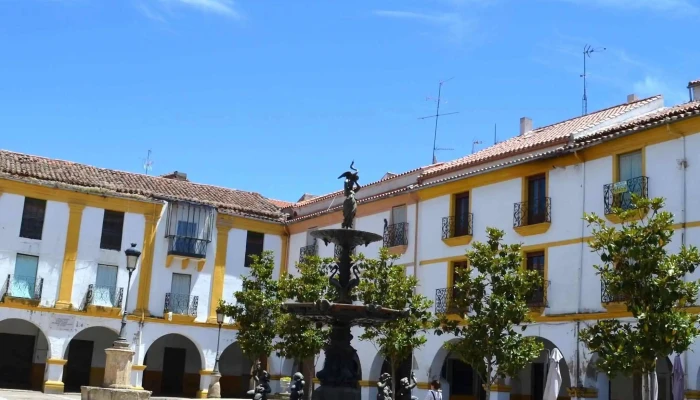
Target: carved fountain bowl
352	314
345	237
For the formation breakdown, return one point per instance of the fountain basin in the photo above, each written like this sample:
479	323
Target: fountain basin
350	314
346	237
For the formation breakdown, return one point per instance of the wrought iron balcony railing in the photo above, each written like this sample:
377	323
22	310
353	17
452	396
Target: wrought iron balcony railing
396	234
619	194
182	304
606	297
530	213
445	303
23	287
539	296
104	296
308	251
459	225
187	246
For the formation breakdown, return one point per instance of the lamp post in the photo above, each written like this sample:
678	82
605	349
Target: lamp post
132	257
214	391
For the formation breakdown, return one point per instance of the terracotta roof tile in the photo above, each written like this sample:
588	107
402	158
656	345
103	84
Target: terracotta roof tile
693	83
281	203
50	171
539	138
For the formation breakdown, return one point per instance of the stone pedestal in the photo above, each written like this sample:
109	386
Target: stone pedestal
214	391
116	384
98	393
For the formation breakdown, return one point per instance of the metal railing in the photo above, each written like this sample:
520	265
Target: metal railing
396	234
530	213
538	298
23	287
187	246
606	297
182	304
445	303
458	225
619	194
308	251
105	296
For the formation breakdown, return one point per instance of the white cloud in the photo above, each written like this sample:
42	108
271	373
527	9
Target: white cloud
456	25
149	13
672	6
652	85
222	7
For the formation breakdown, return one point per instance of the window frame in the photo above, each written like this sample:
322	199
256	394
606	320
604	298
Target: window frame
30	221
108	242
248	251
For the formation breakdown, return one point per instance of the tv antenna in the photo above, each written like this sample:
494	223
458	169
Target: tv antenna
437	117
587	51
474	143
148	163
495	134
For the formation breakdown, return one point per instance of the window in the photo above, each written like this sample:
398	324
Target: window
536	199
396	234
253	246
104	293
629	166
535	262
32	218
185	242
398	215
457	266
112	227
189	229
24	280
461	214
179	300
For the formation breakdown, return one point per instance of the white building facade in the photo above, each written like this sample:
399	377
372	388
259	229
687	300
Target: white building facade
63	236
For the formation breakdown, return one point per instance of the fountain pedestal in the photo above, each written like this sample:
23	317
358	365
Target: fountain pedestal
116	385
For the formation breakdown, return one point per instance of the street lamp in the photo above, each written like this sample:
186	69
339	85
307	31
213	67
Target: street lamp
132	257
214	391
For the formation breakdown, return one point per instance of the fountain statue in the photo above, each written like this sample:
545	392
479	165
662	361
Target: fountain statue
297	390
406	387
340	376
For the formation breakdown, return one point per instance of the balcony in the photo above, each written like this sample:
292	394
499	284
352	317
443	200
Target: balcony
308	251
444	301
457	230
396	237
183	307
538	298
532	218
619	194
104	299
611	302
187	247
188	230
23	288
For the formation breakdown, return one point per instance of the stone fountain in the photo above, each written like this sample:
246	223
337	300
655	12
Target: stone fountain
339	377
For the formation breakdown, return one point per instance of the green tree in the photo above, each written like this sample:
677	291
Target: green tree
492	296
386	284
299	339
257	308
636	267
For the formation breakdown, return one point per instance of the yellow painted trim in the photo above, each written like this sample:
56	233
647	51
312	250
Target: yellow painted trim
184	322
88	197
182	319
20	302
54	386
458	240
692	394
397	250
368	383
443	259
315	380
146	267
202	394
185	262
270	228
582	392
538	311
56	361
223	227
499	388
10	302
206	372
615	307
169	260
99	311
138	367
423	385
200	264
284	262
70	256
534	229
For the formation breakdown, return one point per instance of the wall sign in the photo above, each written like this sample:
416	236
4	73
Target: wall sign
63	322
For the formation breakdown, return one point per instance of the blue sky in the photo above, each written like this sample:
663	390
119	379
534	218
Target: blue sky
278	96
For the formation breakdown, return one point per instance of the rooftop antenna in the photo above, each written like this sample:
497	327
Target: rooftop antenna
495	131
474	143
587	51
437	117
148	163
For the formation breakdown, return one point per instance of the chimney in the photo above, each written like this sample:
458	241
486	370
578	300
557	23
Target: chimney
631	98
694	90
525	125
180	176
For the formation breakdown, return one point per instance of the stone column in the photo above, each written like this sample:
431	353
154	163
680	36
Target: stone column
500	391
204	379
118	361
137	376
53	378
603	385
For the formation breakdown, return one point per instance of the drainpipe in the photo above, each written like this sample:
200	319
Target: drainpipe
415	256
579	287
